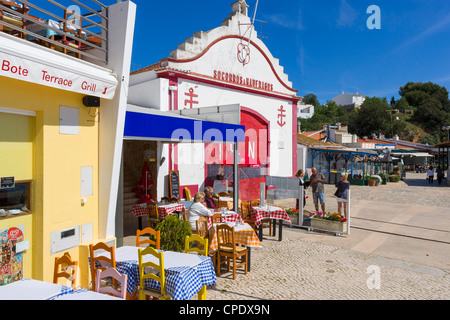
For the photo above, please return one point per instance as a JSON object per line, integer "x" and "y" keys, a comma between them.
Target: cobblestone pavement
{"x": 364, "y": 265}
{"x": 317, "y": 266}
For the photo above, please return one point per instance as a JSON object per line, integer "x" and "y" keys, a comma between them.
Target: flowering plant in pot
{"x": 328, "y": 221}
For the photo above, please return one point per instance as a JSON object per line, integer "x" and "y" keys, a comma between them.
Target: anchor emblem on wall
{"x": 191, "y": 95}
{"x": 281, "y": 115}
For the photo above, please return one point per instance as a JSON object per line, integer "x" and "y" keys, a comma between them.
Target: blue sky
{"x": 324, "y": 45}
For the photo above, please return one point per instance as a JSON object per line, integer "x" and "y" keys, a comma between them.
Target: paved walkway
{"x": 313, "y": 265}
{"x": 406, "y": 256}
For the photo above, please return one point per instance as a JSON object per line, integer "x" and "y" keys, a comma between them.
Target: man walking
{"x": 317, "y": 181}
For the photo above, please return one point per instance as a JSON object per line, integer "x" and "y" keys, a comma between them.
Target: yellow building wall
{"x": 58, "y": 159}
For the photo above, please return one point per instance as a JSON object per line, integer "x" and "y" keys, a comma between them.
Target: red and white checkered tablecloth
{"x": 271, "y": 212}
{"x": 230, "y": 216}
{"x": 166, "y": 209}
{"x": 140, "y": 210}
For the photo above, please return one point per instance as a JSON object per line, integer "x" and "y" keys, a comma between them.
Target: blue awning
{"x": 149, "y": 124}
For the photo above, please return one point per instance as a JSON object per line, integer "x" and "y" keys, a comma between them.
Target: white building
{"x": 349, "y": 100}
{"x": 212, "y": 72}
{"x": 305, "y": 111}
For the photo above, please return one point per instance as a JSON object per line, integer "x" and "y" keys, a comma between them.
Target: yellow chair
{"x": 188, "y": 194}
{"x": 143, "y": 291}
{"x": 196, "y": 238}
{"x": 187, "y": 249}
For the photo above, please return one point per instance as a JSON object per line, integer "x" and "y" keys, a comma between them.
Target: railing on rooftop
{"x": 75, "y": 27}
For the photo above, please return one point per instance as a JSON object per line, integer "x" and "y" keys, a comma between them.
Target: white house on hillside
{"x": 349, "y": 100}
{"x": 305, "y": 111}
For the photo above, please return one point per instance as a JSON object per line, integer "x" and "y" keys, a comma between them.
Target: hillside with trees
{"x": 423, "y": 108}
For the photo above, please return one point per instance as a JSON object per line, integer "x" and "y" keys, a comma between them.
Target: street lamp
{"x": 448, "y": 131}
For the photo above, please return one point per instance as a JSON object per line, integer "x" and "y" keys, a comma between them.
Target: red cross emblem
{"x": 191, "y": 95}
{"x": 281, "y": 115}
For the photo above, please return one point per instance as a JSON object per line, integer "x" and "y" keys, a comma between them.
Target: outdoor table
{"x": 227, "y": 216}
{"x": 186, "y": 274}
{"x": 84, "y": 294}
{"x": 47, "y": 28}
{"x": 30, "y": 289}
{"x": 140, "y": 210}
{"x": 165, "y": 209}
{"x": 260, "y": 213}
{"x": 244, "y": 235}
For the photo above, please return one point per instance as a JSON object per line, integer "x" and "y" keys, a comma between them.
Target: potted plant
{"x": 173, "y": 233}
{"x": 372, "y": 181}
{"x": 328, "y": 221}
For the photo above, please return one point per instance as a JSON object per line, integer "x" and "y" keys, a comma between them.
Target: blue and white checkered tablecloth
{"x": 181, "y": 282}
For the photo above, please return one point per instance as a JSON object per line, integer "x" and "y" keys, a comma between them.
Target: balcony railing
{"x": 76, "y": 28}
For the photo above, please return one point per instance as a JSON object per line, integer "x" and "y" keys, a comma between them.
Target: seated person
{"x": 209, "y": 192}
{"x": 197, "y": 209}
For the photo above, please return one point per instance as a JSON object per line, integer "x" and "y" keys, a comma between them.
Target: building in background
{"x": 228, "y": 67}
{"x": 349, "y": 100}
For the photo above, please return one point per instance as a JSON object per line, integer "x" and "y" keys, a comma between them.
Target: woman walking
{"x": 300, "y": 174}
{"x": 430, "y": 175}
{"x": 342, "y": 194}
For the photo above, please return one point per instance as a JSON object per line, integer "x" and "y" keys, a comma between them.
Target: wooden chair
{"x": 114, "y": 274}
{"x": 66, "y": 268}
{"x": 13, "y": 19}
{"x": 153, "y": 214}
{"x": 170, "y": 200}
{"x": 150, "y": 232}
{"x": 222, "y": 204}
{"x": 228, "y": 248}
{"x": 201, "y": 249}
{"x": 157, "y": 268}
{"x": 101, "y": 262}
{"x": 223, "y": 194}
{"x": 246, "y": 215}
{"x": 202, "y": 227}
{"x": 266, "y": 223}
{"x": 216, "y": 218}
{"x": 184, "y": 215}
{"x": 188, "y": 194}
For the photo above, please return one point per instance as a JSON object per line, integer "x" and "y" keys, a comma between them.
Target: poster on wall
{"x": 11, "y": 263}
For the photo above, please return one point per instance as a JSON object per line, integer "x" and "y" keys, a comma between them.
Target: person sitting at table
{"x": 198, "y": 209}
{"x": 209, "y": 192}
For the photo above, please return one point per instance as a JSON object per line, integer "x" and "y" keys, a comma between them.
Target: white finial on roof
{"x": 239, "y": 6}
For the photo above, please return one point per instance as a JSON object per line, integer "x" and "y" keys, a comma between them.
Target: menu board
{"x": 174, "y": 184}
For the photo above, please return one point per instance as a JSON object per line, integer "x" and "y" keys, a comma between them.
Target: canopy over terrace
{"x": 168, "y": 127}
{"x": 344, "y": 154}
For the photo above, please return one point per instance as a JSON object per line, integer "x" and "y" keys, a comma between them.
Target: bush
{"x": 173, "y": 233}
{"x": 394, "y": 178}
